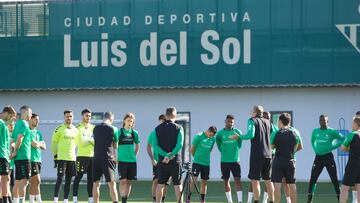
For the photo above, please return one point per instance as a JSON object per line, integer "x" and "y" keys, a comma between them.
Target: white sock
{"x": 21, "y": 199}
{"x": 266, "y": 197}
{"x": 31, "y": 198}
{"x": 239, "y": 196}
{"x": 16, "y": 200}
{"x": 91, "y": 200}
{"x": 66, "y": 200}
{"x": 288, "y": 200}
{"x": 354, "y": 196}
{"x": 250, "y": 197}
{"x": 38, "y": 198}
{"x": 228, "y": 196}
{"x": 75, "y": 199}
{"x": 56, "y": 199}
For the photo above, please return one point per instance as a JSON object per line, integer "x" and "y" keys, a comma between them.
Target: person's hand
{"x": 235, "y": 136}
{"x": 55, "y": 161}
{"x": 171, "y": 158}
{"x": 154, "y": 162}
{"x": 12, "y": 155}
{"x": 166, "y": 160}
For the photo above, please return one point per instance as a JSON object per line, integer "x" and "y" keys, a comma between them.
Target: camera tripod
{"x": 187, "y": 183}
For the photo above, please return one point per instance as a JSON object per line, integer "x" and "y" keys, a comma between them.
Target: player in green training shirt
{"x": 7, "y": 115}
{"x": 21, "y": 154}
{"x": 63, "y": 147}
{"x": 154, "y": 157}
{"x": 352, "y": 172}
{"x": 37, "y": 144}
{"x": 128, "y": 148}
{"x": 323, "y": 141}
{"x": 201, "y": 148}
{"x": 85, "y": 153}
{"x": 228, "y": 144}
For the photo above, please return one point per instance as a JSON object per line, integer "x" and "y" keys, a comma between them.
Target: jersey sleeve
{"x": 250, "y": 131}
{"x": 136, "y": 137}
{"x": 239, "y": 142}
{"x": 312, "y": 140}
{"x": 338, "y": 138}
{"x": 116, "y": 134}
{"x": 348, "y": 139}
{"x": 55, "y": 140}
{"x": 196, "y": 140}
{"x": 298, "y": 137}
{"x": 156, "y": 145}
{"x": 150, "y": 138}
{"x": 272, "y": 137}
{"x": 22, "y": 129}
{"x": 179, "y": 143}
{"x": 40, "y": 135}
{"x": 218, "y": 140}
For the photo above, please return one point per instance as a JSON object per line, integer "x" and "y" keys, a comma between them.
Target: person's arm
{"x": 41, "y": 143}
{"x": 218, "y": 141}
{"x": 346, "y": 144}
{"x": 179, "y": 143}
{"x": 157, "y": 147}
{"x": 17, "y": 145}
{"x": 312, "y": 140}
{"x": 250, "y": 131}
{"x": 272, "y": 139}
{"x": 137, "y": 142}
{"x": 55, "y": 140}
{"x": 194, "y": 143}
{"x": 298, "y": 141}
{"x": 339, "y": 137}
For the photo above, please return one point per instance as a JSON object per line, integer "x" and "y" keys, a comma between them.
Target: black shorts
{"x": 35, "y": 168}
{"x": 155, "y": 173}
{"x": 165, "y": 171}
{"x": 104, "y": 167}
{"x": 66, "y": 168}
{"x": 352, "y": 173}
{"x": 203, "y": 170}
{"x": 260, "y": 168}
{"x": 283, "y": 168}
{"x": 4, "y": 167}
{"x": 127, "y": 170}
{"x": 83, "y": 164}
{"x": 12, "y": 178}
{"x": 234, "y": 167}
{"x": 22, "y": 169}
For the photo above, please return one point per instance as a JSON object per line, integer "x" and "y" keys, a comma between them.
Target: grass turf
{"x": 141, "y": 192}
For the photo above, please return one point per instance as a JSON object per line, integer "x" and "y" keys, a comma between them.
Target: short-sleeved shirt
{"x": 22, "y": 127}
{"x": 285, "y": 141}
{"x": 64, "y": 142}
{"x": 85, "y": 140}
{"x": 352, "y": 140}
{"x": 4, "y": 141}
{"x": 151, "y": 142}
{"x": 35, "y": 151}
{"x": 324, "y": 141}
{"x": 229, "y": 148}
{"x": 203, "y": 145}
{"x": 126, "y": 140}
{"x": 104, "y": 138}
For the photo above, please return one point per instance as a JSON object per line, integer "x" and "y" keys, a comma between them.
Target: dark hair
{"x": 170, "y": 111}
{"x": 67, "y": 111}
{"x": 85, "y": 111}
{"x": 108, "y": 115}
{"x": 212, "y": 129}
{"x": 285, "y": 118}
{"x": 9, "y": 109}
{"x": 229, "y": 116}
{"x": 25, "y": 108}
{"x": 162, "y": 117}
{"x": 358, "y": 113}
{"x": 34, "y": 115}
{"x": 323, "y": 116}
{"x": 266, "y": 115}
{"x": 357, "y": 121}
{"x": 258, "y": 110}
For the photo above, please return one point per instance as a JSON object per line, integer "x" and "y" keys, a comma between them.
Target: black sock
{"x": 154, "y": 199}
{"x": 9, "y": 199}
{"x": 5, "y": 200}
{"x": 115, "y": 202}
{"x": 310, "y": 197}
{"x": 256, "y": 201}
{"x": 202, "y": 197}
{"x": 271, "y": 201}
{"x": 1, "y": 200}
{"x": 123, "y": 199}
{"x": 162, "y": 199}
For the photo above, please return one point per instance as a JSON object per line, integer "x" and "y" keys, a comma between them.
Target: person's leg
{"x": 236, "y": 171}
{"x": 5, "y": 184}
{"x": 59, "y": 179}
{"x": 344, "y": 193}
{"x": 255, "y": 185}
{"x": 122, "y": 189}
{"x": 76, "y": 183}
{"x": 32, "y": 189}
{"x": 293, "y": 194}
{"x": 68, "y": 178}
{"x": 22, "y": 189}
{"x": 286, "y": 190}
{"x": 331, "y": 169}
{"x": 203, "y": 190}
{"x": 277, "y": 192}
{"x": 250, "y": 193}
{"x": 178, "y": 189}
{"x": 113, "y": 191}
{"x": 128, "y": 188}
{"x": 153, "y": 189}
{"x": 96, "y": 191}
{"x": 90, "y": 182}
{"x": 357, "y": 187}
{"x": 159, "y": 192}
{"x": 270, "y": 190}
{"x": 315, "y": 173}
{"x": 37, "y": 188}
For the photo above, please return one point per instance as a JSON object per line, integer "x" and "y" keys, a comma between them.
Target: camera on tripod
{"x": 187, "y": 166}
